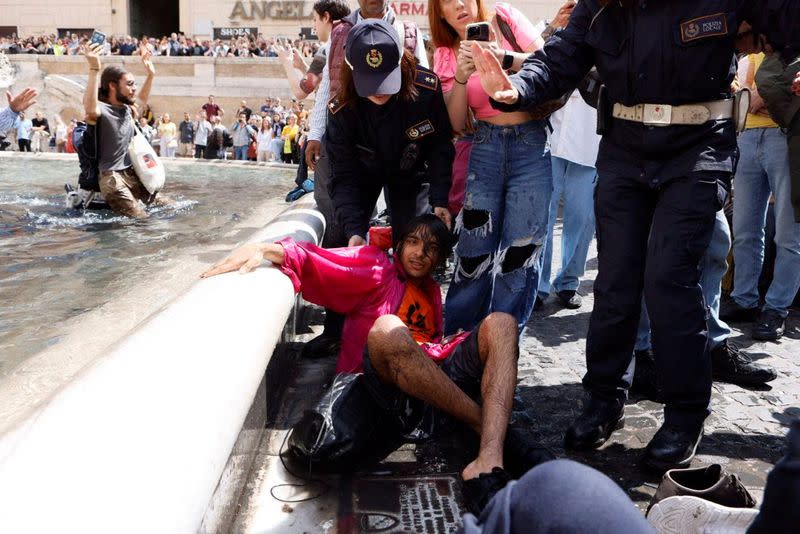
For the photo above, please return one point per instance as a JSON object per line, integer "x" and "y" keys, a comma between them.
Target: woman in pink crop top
{"x": 503, "y": 224}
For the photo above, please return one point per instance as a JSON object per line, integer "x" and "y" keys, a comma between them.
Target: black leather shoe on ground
{"x": 538, "y": 303}
{"x": 769, "y": 326}
{"x": 644, "y": 375}
{"x": 477, "y": 492}
{"x": 570, "y": 299}
{"x": 729, "y": 364}
{"x": 593, "y": 427}
{"x": 672, "y": 448}
{"x": 730, "y": 311}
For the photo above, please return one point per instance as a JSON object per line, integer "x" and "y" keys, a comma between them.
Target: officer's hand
{"x": 444, "y": 215}
{"x": 494, "y": 79}
{"x": 796, "y": 85}
{"x": 313, "y": 149}
{"x": 562, "y": 17}
{"x": 356, "y": 241}
{"x": 92, "y": 53}
{"x": 22, "y": 101}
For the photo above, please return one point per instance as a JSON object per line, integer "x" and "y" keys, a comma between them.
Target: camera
{"x": 478, "y": 31}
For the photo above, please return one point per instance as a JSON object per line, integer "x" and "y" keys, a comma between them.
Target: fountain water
{"x": 7, "y": 73}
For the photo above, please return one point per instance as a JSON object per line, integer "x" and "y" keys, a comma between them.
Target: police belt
{"x": 667, "y": 115}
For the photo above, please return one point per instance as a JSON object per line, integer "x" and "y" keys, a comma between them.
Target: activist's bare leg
{"x": 398, "y": 360}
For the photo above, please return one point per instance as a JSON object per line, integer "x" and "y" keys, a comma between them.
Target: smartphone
{"x": 478, "y": 31}
{"x": 98, "y": 38}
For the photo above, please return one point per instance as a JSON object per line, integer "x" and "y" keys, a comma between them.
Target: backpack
{"x": 84, "y": 139}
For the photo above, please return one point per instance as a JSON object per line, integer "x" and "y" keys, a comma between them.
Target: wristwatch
{"x": 508, "y": 61}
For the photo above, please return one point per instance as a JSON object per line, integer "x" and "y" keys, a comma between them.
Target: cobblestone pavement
{"x": 745, "y": 432}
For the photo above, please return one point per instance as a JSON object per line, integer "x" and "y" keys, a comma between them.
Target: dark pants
{"x": 678, "y": 217}
{"x": 559, "y": 496}
{"x": 302, "y": 168}
{"x": 24, "y": 145}
{"x": 199, "y": 151}
{"x": 793, "y": 138}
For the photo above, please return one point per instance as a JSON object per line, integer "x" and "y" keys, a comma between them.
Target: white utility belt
{"x": 666, "y": 115}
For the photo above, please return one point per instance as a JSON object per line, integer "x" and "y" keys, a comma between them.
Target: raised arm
{"x": 91, "y": 106}
{"x": 287, "y": 57}
{"x": 144, "y": 92}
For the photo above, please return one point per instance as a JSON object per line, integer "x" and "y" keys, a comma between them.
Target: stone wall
{"x": 181, "y": 84}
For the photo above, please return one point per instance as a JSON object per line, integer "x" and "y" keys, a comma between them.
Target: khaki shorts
{"x": 123, "y": 190}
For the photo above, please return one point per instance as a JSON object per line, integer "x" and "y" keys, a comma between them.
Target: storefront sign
{"x": 232, "y": 33}
{"x": 298, "y": 9}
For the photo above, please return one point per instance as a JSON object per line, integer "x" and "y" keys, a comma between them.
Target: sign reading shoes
{"x": 702, "y": 27}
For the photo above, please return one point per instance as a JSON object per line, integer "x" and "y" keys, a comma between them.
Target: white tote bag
{"x": 145, "y": 162}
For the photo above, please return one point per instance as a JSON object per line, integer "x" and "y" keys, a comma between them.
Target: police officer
{"x": 388, "y": 126}
{"x": 666, "y": 159}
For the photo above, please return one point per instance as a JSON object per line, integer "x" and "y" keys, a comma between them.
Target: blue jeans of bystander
{"x": 502, "y": 227}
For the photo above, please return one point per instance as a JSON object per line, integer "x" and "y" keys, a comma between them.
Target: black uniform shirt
{"x": 657, "y": 52}
{"x": 397, "y": 142}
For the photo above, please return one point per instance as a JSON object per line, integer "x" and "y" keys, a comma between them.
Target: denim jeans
{"x": 502, "y": 227}
{"x": 715, "y": 265}
{"x": 576, "y": 183}
{"x": 559, "y": 496}
{"x": 764, "y": 168}
{"x": 240, "y": 153}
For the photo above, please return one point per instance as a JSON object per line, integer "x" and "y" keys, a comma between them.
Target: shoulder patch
{"x": 334, "y": 106}
{"x": 426, "y": 78}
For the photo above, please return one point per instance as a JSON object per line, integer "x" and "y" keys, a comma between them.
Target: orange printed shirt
{"x": 416, "y": 311}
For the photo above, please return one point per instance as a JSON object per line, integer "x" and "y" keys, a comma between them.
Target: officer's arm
{"x": 441, "y": 154}
{"x": 345, "y": 168}
{"x": 558, "y": 67}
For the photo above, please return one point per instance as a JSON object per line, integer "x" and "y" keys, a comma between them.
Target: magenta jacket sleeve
{"x": 342, "y": 279}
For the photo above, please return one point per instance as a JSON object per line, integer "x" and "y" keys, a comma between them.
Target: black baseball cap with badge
{"x": 373, "y": 52}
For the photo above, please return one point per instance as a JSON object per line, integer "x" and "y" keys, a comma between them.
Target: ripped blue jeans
{"x": 502, "y": 227}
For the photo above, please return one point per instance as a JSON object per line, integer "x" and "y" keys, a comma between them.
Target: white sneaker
{"x": 693, "y": 515}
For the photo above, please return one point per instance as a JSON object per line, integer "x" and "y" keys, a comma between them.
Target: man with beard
{"x": 110, "y": 107}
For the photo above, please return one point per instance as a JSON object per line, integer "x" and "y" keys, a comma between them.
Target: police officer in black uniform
{"x": 387, "y": 127}
{"x": 666, "y": 160}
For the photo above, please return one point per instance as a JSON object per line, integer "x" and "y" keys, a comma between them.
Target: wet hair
{"x": 408, "y": 91}
{"x": 111, "y": 74}
{"x": 442, "y": 34}
{"x": 337, "y": 9}
{"x": 429, "y": 227}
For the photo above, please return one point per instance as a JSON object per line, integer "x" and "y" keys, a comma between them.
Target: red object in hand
{"x": 380, "y": 236}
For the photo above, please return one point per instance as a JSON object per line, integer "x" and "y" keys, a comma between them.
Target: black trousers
{"x": 199, "y": 151}
{"x": 24, "y": 145}
{"x": 653, "y": 239}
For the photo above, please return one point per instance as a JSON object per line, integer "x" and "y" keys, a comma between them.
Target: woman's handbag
{"x": 145, "y": 163}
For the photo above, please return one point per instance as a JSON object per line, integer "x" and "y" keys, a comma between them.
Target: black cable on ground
{"x": 306, "y": 480}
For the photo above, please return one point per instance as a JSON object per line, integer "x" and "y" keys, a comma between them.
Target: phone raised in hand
{"x": 98, "y": 38}
{"x": 478, "y": 31}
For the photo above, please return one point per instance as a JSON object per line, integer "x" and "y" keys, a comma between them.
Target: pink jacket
{"x": 362, "y": 283}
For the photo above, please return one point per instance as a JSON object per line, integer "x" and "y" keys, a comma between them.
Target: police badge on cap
{"x": 373, "y": 52}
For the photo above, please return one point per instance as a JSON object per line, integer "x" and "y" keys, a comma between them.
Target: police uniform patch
{"x": 702, "y": 27}
{"x": 426, "y": 78}
{"x": 374, "y": 58}
{"x": 420, "y": 130}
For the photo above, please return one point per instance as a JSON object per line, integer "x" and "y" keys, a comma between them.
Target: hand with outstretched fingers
{"x": 147, "y": 56}
{"x": 22, "y": 101}
{"x": 243, "y": 259}
{"x": 494, "y": 79}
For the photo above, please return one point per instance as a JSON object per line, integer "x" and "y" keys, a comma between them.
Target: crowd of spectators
{"x": 176, "y": 44}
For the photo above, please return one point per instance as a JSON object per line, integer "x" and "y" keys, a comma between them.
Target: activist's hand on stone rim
{"x": 244, "y": 259}
{"x": 494, "y": 80}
